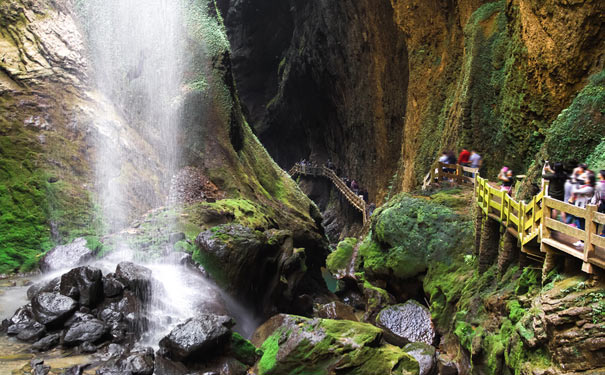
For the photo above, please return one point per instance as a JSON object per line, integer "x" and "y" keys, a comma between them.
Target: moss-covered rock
{"x": 339, "y": 259}
{"x": 323, "y": 346}
{"x": 407, "y": 234}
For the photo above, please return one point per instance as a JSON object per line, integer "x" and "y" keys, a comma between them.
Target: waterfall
{"x": 137, "y": 50}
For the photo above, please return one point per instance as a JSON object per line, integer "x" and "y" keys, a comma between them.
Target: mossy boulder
{"x": 409, "y": 233}
{"x": 339, "y": 259}
{"x": 298, "y": 345}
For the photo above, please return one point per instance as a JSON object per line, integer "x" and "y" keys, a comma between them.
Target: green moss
{"x": 241, "y": 211}
{"x": 579, "y": 129}
{"x": 243, "y": 350}
{"x": 340, "y": 258}
{"x": 408, "y": 233}
{"x": 270, "y": 347}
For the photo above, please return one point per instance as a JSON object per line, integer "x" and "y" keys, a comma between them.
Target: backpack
{"x": 599, "y": 200}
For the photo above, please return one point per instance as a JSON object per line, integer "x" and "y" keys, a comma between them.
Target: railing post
{"x": 521, "y": 229}
{"x": 591, "y": 230}
{"x": 546, "y": 213}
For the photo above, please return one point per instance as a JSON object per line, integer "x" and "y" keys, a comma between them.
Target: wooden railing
{"x": 532, "y": 221}
{"x": 449, "y": 172}
{"x": 354, "y": 199}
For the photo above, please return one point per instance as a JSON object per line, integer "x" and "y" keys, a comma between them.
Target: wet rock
{"x": 21, "y": 319}
{"x": 50, "y": 286}
{"x": 336, "y": 310}
{"x": 197, "y": 336}
{"x": 405, "y": 323}
{"x": 38, "y": 367}
{"x": 112, "y": 287}
{"x": 32, "y": 333}
{"x": 165, "y": 366}
{"x": 424, "y": 355}
{"x": 76, "y": 370}
{"x": 66, "y": 256}
{"x": 47, "y": 343}
{"x": 136, "y": 278}
{"x": 88, "y": 347}
{"x": 139, "y": 362}
{"x": 52, "y": 308}
{"x": 84, "y": 284}
{"x": 85, "y": 331}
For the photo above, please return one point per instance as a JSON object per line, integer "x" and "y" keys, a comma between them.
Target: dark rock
{"x": 124, "y": 318}
{"x": 88, "y": 347}
{"x": 50, "y": 286}
{"x": 84, "y": 284}
{"x": 47, "y": 343}
{"x": 38, "y": 367}
{"x": 197, "y": 336}
{"x": 52, "y": 308}
{"x": 112, "y": 287}
{"x": 32, "y": 333}
{"x": 136, "y": 278}
{"x": 21, "y": 319}
{"x": 85, "y": 331}
{"x": 111, "y": 371}
{"x": 66, "y": 256}
{"x": 424, "y": 355}
{"x": 336, "y": 310}
{"x": 176, "y": 237}
{"x": 166, "y": 366}
{"x": 405, "y": 323}
{"x": 139, "y": 362}
{"x": 76, "y": 370}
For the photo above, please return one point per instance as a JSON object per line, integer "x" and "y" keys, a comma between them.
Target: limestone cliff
{"x": 382, "y": 87}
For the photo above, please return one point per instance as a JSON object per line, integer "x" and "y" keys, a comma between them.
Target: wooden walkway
{"x": 354, "y": 199}
{"x": 532, "y": 222}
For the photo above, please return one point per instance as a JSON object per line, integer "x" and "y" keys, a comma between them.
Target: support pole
{"x": 490, "y": 238}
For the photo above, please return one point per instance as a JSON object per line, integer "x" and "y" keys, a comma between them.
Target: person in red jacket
{"x": 464, "y": 157}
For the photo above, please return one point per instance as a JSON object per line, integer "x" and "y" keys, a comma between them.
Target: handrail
{"x": 442, "y": 171}
{"x": 532, "y": 220}
{"x": 354, "y": 199}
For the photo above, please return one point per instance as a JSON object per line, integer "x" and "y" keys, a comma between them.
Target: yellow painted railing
{"x": 532, "y": 220}
{"x": 451, "y": 172}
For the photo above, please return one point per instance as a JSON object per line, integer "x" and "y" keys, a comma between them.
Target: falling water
{"x": 137, "y": 49}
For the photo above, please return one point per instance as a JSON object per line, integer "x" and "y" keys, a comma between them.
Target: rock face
{"x": 66, "y": 256}
{"x": 197, "y": 336}
{"x": 294, "y": 345}
{"x": 338, "y": 72}
{"x": 257, "y": 266}
{"x": 406, "y": 323}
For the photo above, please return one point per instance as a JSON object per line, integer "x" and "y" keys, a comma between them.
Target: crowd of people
{"x": 466, "y": 158}
{"x": 350, "y": 183}
{"x": 580, "y": 188}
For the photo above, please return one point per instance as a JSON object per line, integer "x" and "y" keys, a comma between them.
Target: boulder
{"x": 136, "y": 278}
{"x": 76, "y": 370}
{"x": 90, "y": 330}
{"x": 66, "y": 256}
{"x": 407, "y": 322}
{"x": 123, "y": 317}
{"x": 197, "y": 336}
{"x": 445, "y": 366}
{"x": 139, "y": 362}
{"x": 424, "y": 355}
{"x": 324, "y": 346}
{"x": 52, "y": 308}
{"x": 48, "y": 286}
{"x": 112, "y": 287}
{"x": 38, "y": 367}
{"x": 336, "y": 310}
{"x": 23, "y": 325}
{"x": 84, "y": 284}
{"x": 176, "y": 237}
{"x": 46, "y": 343}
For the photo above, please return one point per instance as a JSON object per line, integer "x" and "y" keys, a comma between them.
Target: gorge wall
{"x": 383, "y": 87}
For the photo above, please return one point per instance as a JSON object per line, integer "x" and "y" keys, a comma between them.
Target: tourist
{"x": 463, "y": 158}
{"x": 475, "y": 162}
{"x": 365, "y": 195}
{"x": 330, "y": 165}
{"x": 599, "y": 197}
{"x": 580, "y": 197}
{"x": 506, "y": 176}
{"x": 451, "y": 159}
{"x": 354, "y": 186}
{"x": 371, "y": 208}
{"x": 556, "y": 187}
{"x": 444, "y": 159}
